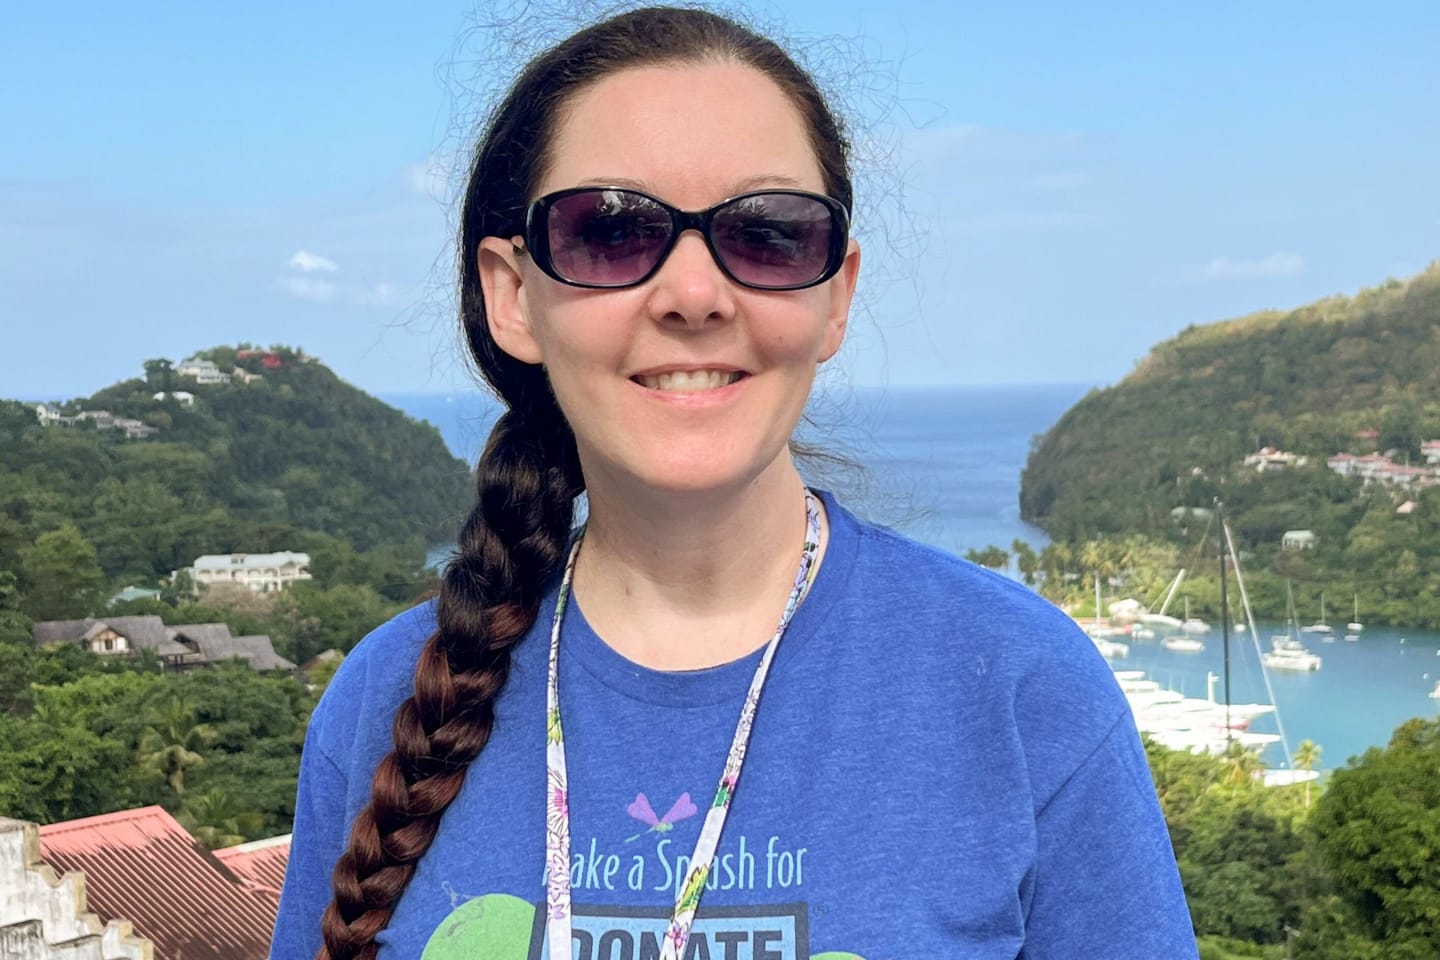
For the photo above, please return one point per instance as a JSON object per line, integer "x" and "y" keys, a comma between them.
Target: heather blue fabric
{"x": 941, "y": 766}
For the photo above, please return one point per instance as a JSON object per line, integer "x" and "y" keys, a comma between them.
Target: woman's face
{"x": 687, "y": 382}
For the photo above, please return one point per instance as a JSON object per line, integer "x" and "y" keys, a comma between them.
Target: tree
{"x": 990, "y": 556}
{"x": 173, "y": 742}
{"x": 1026, "y": 560}
{"x": 1378, "y": 828}
{"x": 64, "y": 576}
{"x": 158, "y": 373}
{"x": 217, "y": 821}
{"x": 1307, "y": 755}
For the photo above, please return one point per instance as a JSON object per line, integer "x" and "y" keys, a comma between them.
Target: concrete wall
{"x": 43, "y": 916}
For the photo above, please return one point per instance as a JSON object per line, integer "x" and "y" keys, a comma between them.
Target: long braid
{"x": 511, "y": 545}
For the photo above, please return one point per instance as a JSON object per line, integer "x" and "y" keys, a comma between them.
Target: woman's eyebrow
{"x": 740, "y": 186}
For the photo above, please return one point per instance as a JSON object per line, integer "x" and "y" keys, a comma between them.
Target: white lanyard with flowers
{"x": 557, "y": 809}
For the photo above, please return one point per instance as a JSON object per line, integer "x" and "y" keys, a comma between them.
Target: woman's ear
{"x": 503, "y": 283}
{"x": 842, "y": 292}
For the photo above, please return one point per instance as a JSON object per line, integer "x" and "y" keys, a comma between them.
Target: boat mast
{"x": 1224, "y": 618}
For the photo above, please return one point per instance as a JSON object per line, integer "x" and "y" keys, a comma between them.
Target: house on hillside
{"x": 212, "y": 643}
{"x": 105, "y": 420}
{"x": 1298, "y": 540}
{"x": 181, "y": 647}
{"x": 50, "y": 417}
{"x": 133, "y": 593}
{"x": 113, "y": 636}
{"x": 261, "y": 572}
{"x": 183, "y": 397}
{"x": 203, "y": 371}
{"x": 1430, "y": 450}
{"x": 1268, "y": 458}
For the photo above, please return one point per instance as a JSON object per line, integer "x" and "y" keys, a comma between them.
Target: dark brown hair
{"x": 513, "y": 543}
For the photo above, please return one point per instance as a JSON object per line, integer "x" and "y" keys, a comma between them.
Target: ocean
{"x": 943, "y": 465}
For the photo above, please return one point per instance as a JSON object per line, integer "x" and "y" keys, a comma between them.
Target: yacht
{"x": 1287, "y": 653}
{"x": 1183, "y": 644}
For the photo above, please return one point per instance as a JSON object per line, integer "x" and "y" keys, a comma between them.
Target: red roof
{"x": 261, "y": 865}
{"x": 142, "y": 866}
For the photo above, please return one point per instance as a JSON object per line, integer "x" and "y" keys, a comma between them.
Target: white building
{"x": 182, "y": 397}
{"x": 1268, "y": 458}
{"x": 1298, "y": 540}
{"x": 204, "y": 371}
{"x": 261, "y": 572}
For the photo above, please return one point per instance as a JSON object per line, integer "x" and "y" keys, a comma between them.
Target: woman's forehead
{"x": 709, "y": 129}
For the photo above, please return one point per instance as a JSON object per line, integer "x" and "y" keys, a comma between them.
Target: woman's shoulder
{"x": 375, "y": 677}
{"x": 891, "y": 570}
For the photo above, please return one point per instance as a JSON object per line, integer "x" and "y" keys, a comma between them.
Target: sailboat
{"x": 1286, "y": 651}
{"x": 1320, "y": 626}
{"x": 1098, "y": 632}
{"x": 1270, "y": 777}
{"x": 1354, "y": 626}
{"x": 1193, "y": 624}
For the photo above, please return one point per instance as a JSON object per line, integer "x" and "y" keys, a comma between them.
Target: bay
{"x": 943, "y": 465}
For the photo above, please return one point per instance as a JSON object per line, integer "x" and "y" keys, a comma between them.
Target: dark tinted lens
{"x": 774, "y": 239}
{"x": 606, "y": 237}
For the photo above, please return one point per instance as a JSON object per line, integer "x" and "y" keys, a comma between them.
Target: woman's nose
{"x": 690, "y": 286}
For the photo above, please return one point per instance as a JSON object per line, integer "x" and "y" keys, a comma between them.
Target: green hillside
{"x": 1354, "y": 375}
{"x": 295, "y": 459}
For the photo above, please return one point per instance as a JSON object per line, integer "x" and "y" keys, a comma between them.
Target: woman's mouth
{"x": 688, "y": 381}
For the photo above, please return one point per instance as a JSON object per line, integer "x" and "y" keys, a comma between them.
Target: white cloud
{"x": 307, "y": 262}
{"x": 1275, "y": 265}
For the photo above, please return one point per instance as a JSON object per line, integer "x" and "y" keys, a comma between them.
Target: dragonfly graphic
{"x": 641, "y": 810}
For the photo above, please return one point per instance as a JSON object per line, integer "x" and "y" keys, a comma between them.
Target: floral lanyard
{"x": 557, "y": 808}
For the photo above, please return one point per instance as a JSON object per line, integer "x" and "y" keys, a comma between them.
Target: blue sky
{"x": 1049, "y": 190}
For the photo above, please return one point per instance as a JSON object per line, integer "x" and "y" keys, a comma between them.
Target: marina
{"x": 1363, "y": 692}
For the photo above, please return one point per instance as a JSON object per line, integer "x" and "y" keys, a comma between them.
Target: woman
{"x": 655, "y": 258}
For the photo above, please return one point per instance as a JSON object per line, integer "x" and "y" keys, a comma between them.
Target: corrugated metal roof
{"x": 261, "y": 864}
{"x": 142, "y": 866}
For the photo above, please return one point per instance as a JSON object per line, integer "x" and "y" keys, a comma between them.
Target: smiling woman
{"x": 655, "y": 260}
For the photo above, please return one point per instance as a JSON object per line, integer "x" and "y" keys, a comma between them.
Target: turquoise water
{"x": 1358, "y": 696}
{"x": 944, "y": 465}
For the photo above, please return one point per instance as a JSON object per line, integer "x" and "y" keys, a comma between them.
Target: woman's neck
{"x": 685, "y": 582}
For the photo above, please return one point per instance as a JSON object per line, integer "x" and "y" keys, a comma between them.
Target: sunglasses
{"x": 605, "y": 237}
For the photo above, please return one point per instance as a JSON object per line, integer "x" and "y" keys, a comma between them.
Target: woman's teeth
{"x": 689, "y": 381}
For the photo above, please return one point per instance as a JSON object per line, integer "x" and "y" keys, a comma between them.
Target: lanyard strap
{"x": 557, "y": 807}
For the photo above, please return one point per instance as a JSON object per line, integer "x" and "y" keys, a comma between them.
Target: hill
{"x": 293, "y": 459}
{"x": 1175, "y": 431}
{"x": 1270, "y": 414}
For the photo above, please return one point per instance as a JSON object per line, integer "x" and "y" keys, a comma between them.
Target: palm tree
{"x": 217, "y": 821}
{"x": 1241, "y": 764}
{"x": 1307, "y": 755}
{"x": 171, "y": 744}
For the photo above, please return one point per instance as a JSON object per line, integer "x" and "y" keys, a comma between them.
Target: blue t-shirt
{"x": 941, "y": 766}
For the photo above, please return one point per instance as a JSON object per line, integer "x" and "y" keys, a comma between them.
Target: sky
{"x": 1046, "y": 189}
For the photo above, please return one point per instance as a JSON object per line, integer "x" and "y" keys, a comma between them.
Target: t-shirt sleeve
{"x": 318, "y": 838}
{"x": 1106, "y": 883}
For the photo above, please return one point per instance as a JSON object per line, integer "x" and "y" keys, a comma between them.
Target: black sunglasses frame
{"x": 537, "y": 237}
